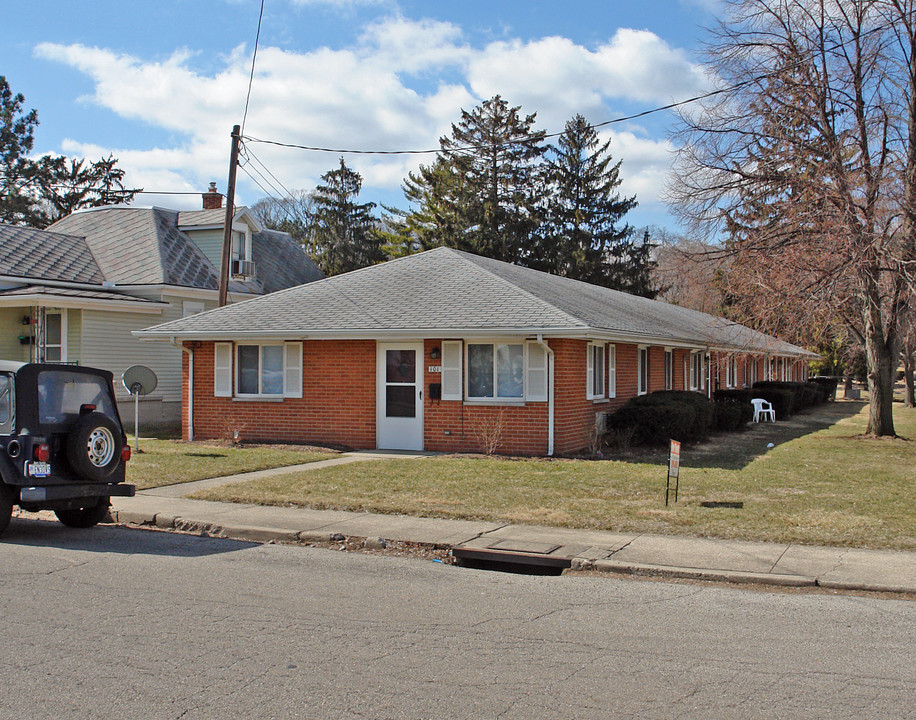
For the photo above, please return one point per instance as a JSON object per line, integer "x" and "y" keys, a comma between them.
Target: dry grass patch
{"x": 821, "y": 484}
{"x": 166, "y": 462}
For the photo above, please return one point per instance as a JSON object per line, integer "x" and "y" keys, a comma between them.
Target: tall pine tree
{"x": 581, "y": 237}
{"x": 343, "y": 235}
{"x": 480, "y": 194}
{"x": 38, "y": 192}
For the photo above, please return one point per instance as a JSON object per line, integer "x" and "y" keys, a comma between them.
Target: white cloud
{"x": 381, "y": 93}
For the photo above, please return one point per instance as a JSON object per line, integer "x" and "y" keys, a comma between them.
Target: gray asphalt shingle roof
{"x": 449, "y": 293}
{"x": 31, "y": 253}
{"x": 75, "y": 294}
{"x": 141, "y": 246}
{"x": 144, "y": 246}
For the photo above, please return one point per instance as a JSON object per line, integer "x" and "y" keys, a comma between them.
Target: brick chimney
{"x": 213, "y": 200}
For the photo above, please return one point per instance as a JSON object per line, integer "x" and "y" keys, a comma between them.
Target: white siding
{"x": 210, "y": 242}
{"x": 107, "y": 343}
{"x": 11, "y": 328}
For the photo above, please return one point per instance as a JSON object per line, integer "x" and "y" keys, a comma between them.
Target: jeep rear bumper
{"x": 53, "y": 493}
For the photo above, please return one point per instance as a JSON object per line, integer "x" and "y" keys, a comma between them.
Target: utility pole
{"x": 230, "y": 211}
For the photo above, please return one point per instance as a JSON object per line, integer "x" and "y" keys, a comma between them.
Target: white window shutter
{"x": 612, "y": 371}
{"x": 589, "y": 372}
{"x": 292, "y": 369}
{"x": 536, "y": 371}
{"x": 451, "y": 370}
{"x": 222, "y": 370}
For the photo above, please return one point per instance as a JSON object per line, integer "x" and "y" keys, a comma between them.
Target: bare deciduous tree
{"x": 806, "y": 162}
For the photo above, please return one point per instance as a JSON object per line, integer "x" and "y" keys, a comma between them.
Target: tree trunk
{"x": 909, "y": 399}
{"x": 881, "y": 359}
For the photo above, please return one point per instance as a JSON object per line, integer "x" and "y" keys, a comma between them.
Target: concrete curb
{"x": 737, "y": 577}
{"x": 253, "y": 533}
{"x": 373, "y": 537}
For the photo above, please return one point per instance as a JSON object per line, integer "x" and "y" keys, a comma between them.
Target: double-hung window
{"x": 496, "y": 371}
{"x": 259, "y": 370}
{"x": 595, "y": 372}
{"x": 669, "y": 369}
{"x": 265, "y": 370}
{"x": 696, "y": 371}
{"x": 643, "y": 371}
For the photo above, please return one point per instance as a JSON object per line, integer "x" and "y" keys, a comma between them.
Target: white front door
{"x": 399, "y": 414}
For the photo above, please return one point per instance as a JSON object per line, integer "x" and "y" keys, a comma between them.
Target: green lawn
{"x": 822, "y": 483}
{"x": 165, "y": 462}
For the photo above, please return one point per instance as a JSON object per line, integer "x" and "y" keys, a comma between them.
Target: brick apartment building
{"x": 444, "y": 350}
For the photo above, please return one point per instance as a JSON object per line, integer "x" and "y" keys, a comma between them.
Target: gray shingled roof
{"x": 143, "y": 246}
{"x": 202, "y": 218}
{"x": 450, "y": 293}
{"x": 39, "y": 254}
{"x": 75, "y": 294}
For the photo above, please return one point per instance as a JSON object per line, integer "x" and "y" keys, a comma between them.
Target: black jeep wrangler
{"x": 62, "y": 447}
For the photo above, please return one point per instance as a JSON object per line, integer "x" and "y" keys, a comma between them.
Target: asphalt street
{"x": 122, "y": 623}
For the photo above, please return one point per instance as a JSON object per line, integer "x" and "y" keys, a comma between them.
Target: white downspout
{"x": 190, "y": 353}
{"x": 550, "y": 422}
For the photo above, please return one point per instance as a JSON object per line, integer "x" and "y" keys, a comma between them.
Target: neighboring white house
{"x": 75, "y": 292}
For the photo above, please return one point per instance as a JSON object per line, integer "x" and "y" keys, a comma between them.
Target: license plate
{"x": 38, "y": 469}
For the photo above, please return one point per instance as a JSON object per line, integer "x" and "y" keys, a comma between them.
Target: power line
{"x": 254, "y": 57}
{"x": 249, "y": 154}
{"x": 471, "y": 148}
{"x": 627, "y": 118}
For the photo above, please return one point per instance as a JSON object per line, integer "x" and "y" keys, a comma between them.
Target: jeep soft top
{"x": 62, "y": 446}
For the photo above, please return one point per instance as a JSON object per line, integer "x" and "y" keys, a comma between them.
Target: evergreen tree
{"x": 343, "y": 236}
{"x": 580, "y": 237}
{"x": 480, "y": 194}
{"x": 17, "y": 172}
{"x": 40, "y": 192}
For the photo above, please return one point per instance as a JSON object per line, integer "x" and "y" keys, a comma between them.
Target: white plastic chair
{"x": 763, "y": 409}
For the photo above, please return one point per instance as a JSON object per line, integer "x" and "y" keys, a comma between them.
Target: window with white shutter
{"x": 293, "y": 370}
{"x": 536, "y": 373}
{"x": 451, "y": 370}
{"x": 222, "y": 370}
{"x": 612, "y": 371}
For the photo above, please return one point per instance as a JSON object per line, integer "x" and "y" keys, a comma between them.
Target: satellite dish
{"x": 139, "y": 380}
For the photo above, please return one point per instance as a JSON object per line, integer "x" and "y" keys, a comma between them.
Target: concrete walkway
{"x": 632, "y": 553}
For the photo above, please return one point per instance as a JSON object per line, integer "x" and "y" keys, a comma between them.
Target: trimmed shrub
{"x": 729, "y": 414}
{"x": 826, "y": 385}
{"x": 654, "y": 424}
{"x": 661, "y": 416}
{"x": 742, "y": 398}
{"x": 806, "y": 394}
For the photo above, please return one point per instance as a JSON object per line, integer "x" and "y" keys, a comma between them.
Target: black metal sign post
{"x": 674, "y": 467}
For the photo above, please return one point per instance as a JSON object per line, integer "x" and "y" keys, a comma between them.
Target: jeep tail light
{"x": 41, "y": 453}
{"x": 86, "y": 408}
{"x": 125, "y": 453}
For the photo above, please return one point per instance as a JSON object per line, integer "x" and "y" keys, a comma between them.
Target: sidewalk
{"x": 633, "y": 553}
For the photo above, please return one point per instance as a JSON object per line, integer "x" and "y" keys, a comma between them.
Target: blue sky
{"x": 161, "y": 84}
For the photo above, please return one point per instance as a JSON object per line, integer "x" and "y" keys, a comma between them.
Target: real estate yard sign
{"x": 674, "y": 466}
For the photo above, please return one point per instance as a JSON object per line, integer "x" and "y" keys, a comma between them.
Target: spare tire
{"x": 94, "y": 446}
{"x": 85, "y": 517}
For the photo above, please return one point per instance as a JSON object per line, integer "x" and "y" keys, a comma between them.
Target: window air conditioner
{"x": 242, "y": 269}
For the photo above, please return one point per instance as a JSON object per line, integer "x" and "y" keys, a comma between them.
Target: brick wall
{"x": 454, "y": 426}
{"x": 339, "y": 401}
{"x": 337, "y": 404}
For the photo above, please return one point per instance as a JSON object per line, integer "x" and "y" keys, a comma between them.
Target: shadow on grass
{"x": 734, "y": 451}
